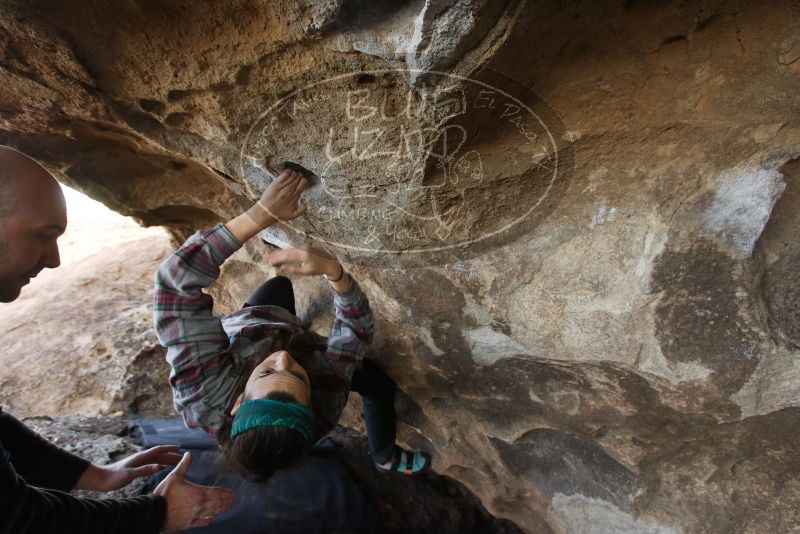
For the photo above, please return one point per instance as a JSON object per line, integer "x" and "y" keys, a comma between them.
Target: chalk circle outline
{"x": 422, "y": 72}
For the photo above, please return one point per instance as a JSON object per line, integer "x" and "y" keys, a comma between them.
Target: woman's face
{"x": 279, "y": 372}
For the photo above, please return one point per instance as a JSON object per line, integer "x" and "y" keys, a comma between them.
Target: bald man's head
{"x": 8, "y": 186}
{"x": 18, "y": 172}
{"x": 6, "y": 197}
{"x": 32, "y": 217}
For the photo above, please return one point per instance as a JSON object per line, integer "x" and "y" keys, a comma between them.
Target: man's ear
{"x": 237, "y": 403}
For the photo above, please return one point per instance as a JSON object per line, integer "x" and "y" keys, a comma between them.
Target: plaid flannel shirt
{"x": 209, "y": 354}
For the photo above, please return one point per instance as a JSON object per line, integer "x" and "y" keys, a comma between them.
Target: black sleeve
{"x": 25, "y": 509}
{"x": 35, "y": 459}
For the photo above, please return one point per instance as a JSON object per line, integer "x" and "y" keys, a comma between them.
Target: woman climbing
{"x": 258, "y": 380}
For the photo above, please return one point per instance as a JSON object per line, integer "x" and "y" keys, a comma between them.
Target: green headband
{"x": 266, "y": 412}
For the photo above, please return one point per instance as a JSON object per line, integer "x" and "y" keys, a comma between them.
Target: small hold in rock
{"x": 152, "y": 106}
{"x": 312, "y": 178}
{"x": 179, "y": 94}
{"x": 243, "y": 76}
{"x": 674, "y": 39}
{"x": 178, "y": 120}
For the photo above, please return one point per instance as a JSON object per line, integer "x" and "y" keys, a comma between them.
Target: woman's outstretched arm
{"x": 197, "y": 345}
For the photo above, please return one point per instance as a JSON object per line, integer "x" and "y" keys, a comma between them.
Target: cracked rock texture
{"x": 580, "y": 237}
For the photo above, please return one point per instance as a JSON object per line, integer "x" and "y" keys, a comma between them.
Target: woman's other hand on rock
{"x": 310, "y": 261}
{"x": 307, "y": 261}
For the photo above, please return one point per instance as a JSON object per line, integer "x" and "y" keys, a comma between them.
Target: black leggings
{"x": 274, "y": 292}
{"x": 376, "y": 388}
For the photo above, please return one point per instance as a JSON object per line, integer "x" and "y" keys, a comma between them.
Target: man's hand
{"x": 281, "y": 201}
{"x": 190, "y": 505}
{"x": 120, "y": 474}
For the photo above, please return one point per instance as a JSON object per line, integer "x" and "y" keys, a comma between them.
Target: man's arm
{"x": 176, "y": 505}
{"x": 38, "y": 461}
{"x": 43, "y": 464}
{"x": 25, "y": 509}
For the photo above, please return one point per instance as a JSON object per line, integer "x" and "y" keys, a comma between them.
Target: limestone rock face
{"x": 580, "y": 237}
